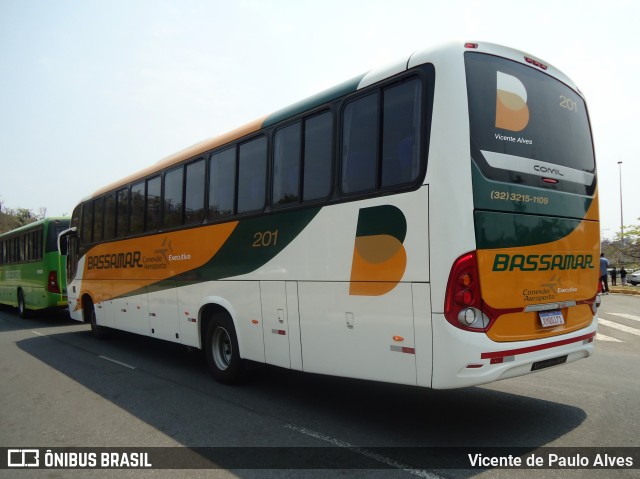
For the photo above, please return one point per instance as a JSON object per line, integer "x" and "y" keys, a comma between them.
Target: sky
{"x": 94, "y": 90}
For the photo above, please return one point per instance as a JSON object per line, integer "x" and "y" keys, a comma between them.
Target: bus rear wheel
{"x": 222, "y": 350}
{"x": 22, "y": 307}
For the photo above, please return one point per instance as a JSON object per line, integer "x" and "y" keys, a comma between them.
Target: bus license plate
{"x": 551, "y": 318}
{"x": 548, "y": 363}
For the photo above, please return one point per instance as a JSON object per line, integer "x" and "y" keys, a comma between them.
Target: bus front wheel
{"x": 222, "y": 350}
{"x": 99, "y": 332}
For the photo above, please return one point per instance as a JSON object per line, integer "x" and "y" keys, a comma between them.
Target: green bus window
{"x": 222, "y": 181}
{"x": 286, "y": 165}
{"x": 37, "y": 244}
{"x": 194, "y": 192}
{"x": 29, "y": 246}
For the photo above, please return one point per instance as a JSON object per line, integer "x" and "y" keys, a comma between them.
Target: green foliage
{"x": 624, "y": 250}
{"x": 11, "y": 219}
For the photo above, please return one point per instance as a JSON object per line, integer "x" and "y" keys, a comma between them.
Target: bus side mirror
{"x": 63, "y": 240}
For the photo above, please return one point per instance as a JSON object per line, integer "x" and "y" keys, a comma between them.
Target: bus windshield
{"x": 526, "y": 124}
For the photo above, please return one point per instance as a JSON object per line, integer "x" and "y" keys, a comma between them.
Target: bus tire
{"x": 22, "y": 306}
{"x": 222, "y": 350}
{"x": 99, "y": 332}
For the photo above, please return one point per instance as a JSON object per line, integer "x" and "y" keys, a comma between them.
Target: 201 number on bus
{"x": 264, "y": 239}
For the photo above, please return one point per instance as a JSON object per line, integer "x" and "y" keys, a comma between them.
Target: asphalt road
{"x": 61, "y": 387}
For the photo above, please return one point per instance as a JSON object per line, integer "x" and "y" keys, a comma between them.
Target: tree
{"x": 624, "y": 250}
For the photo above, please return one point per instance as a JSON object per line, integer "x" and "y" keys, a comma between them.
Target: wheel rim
{"x": 222, "y": 349}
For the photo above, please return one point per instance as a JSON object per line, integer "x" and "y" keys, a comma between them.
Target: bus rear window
{"x": 525, "y": 125}
{"x": 55, "y": 228}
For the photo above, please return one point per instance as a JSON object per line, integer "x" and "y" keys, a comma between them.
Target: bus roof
{"x": 33, "y": 225}
{"x": 352, "y": 85}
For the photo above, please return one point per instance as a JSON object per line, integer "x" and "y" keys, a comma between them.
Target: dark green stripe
{"x": 253, "y": 243}
{"x": 506, "y": 230}
{"x": 539, "y": 201}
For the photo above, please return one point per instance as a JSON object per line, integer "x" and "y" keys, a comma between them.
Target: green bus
{"x": 32, "y": 271}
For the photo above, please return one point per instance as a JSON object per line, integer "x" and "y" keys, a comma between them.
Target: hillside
{"x": 11, "y": 220}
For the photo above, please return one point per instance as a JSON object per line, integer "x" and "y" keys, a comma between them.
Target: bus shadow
{"x": 313, "y": 410}
{"x": 47, "y": 318}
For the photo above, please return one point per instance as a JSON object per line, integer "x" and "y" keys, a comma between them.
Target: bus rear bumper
{"x": 475, "y": 359}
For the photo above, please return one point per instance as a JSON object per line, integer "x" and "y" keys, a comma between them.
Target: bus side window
{"x": 98, "y": 219}
{"x": 400, "y": 137}
{"x": 194, "y": 192}
{"x": 136, "y": 225}
{"x": 153, "y": 203}
{"x": 122, "y": 221}
{"x": 172, "y": 198}
{"x": 318, "y": 145}
{"x": 360, "y": 144}
{"x": 252, "y": 175}
{"x": 286, "y": 165}
{"x": 110, "y": 216}
{"x": 38, "y": 244}
{"x": 222, "y": 184}
{"x": 86, "y": 234}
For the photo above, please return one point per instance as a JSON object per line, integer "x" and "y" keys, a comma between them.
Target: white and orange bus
{"x": 433, "y": 223}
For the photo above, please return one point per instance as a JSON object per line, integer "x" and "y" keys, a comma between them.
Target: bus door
{"x": 281, "y": 323}
{"x": 163, "y": 313}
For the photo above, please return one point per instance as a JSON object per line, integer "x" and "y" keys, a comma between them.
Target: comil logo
{"x": 379, "y": 257}
{"x": 512, "y": 112}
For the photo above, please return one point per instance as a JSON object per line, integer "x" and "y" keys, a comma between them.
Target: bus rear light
{"x": 463, "y": 300}
{"x": 52, "y": 283}
{"x": 471, "y": 45}
{"x": 596, "y": 304}
{"x": 465, "y": 280}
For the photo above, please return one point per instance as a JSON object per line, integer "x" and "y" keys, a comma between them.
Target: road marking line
{"x": 620, "y": 327}
{"x": 626, "y": 316}
{"x": 363, "y": 452}
{"x": 36, "y": 332}
{"x": 602, "y": 337}
{"x": 118, "y": 362}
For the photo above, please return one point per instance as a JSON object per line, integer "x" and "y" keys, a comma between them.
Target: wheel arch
{"x": 211, "y": 306}
{"x": 85, "y": 300}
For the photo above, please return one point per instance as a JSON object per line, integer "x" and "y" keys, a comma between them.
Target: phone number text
{"x": 518, "y": 197}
